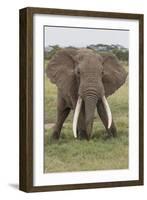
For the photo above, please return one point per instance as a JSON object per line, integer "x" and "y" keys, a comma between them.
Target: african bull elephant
{"x": 84, "y": 80}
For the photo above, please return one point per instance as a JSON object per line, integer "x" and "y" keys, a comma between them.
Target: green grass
{"x": 69, "y": 154}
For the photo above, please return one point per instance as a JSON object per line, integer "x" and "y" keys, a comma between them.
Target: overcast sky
{"x": 82, "y": 37}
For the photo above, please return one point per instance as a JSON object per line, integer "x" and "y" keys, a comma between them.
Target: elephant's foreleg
{"x": 103, "y": 115}
{"x": 62, "y": 113}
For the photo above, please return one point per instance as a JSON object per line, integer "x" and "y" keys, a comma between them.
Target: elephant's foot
{"x": 111, "y": 133}
{"x": 55, "y": 136}
{"x": 113, "y": 130}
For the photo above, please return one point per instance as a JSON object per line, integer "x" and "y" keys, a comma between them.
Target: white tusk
{"x": 108, "y": 111}
{"x": 76, "y": 116}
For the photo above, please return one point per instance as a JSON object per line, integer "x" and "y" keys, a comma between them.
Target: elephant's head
{"x": 91, "y": 75}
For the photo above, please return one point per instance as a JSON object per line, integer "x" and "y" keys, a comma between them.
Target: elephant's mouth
{"x": 77, "y": 111}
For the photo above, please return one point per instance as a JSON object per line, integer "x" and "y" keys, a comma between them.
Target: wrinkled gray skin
{"x": 88, "y": 74}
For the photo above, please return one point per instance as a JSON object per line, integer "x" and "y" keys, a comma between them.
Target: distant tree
{"x": 49, "y": 54}
{"x": 121, "y": 54}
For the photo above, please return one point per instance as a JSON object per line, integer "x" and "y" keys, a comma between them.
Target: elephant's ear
{"x": 114, "y": 75}
{"x": 60, "y": 69}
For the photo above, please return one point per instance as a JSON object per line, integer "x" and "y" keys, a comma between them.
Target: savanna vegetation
{"x": 69, "y": 154}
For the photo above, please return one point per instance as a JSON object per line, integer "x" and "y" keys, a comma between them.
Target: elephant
{"x": 84, "y": 79}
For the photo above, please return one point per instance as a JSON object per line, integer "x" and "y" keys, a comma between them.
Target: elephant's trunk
{"x": 90, "y": 105}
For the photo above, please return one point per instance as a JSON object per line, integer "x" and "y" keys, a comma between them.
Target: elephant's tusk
{"x": 76, "y": 116}
{"x": 108, "y": 111}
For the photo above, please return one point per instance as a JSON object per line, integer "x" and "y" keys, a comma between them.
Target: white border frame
{"x": 41, "y": 179}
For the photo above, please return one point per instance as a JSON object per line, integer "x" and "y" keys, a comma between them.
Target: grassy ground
{"x": 77, "y": 155}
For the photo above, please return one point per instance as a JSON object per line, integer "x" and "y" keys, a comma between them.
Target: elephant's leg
{"x": 102, "y": 113}
{"x": 81, "y": 124}
{"x": 62, "y": 113}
